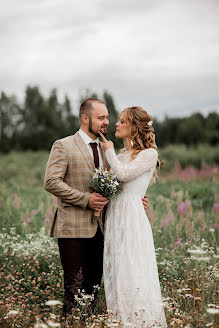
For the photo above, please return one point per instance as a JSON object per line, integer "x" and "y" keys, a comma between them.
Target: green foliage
{"x": 40, "y": 120}
{"x": 9, "y": 111}
{"x": 191, "y": 131}
{"x": 37, "y": 123}
{"x": 188, "y": 156}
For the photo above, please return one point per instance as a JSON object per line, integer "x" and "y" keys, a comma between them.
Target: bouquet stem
{"x": 96, "y": 214}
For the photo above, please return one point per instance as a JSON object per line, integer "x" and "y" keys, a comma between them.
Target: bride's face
{"x": 122, "y": 128}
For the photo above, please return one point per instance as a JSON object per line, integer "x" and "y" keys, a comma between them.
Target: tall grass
{"x": 189, "y": 156}
{"x": 183, "y": 212}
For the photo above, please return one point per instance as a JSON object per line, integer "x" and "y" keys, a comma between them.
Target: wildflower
{"x": 28, "y": 220}
{"x": 212, "y": 230}
{"x": 53, "y": 302}
{"x": 13, "y": 312}
{"x": 53, "y": 324}
{"x": 96, "y": 287}
{"x": 215, "y": 208}
{"x": 53, "y": 316}
{"x": 179, "y": 240}
{"x": 207, "y": 258}
{"x": 189, "y": 295}
{"x": 201, "y": 213}
{"x": 196, "y": 251}
{"x": 181, "y": 208}
{"x": 188, "y": 206}
{"x": 168, "y": 220}
{"x": 166, "y": 299}
{"x": 213, "y": 311}
{"x": 40, "y": 325}
{"x": 17, "y": 202}
{"x": 170, "y": 217}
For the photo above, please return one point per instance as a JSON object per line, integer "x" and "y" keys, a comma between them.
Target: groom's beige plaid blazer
{"x": 67, "y": 176}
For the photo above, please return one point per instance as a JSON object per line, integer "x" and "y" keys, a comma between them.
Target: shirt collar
{"x": 86, "y": 138}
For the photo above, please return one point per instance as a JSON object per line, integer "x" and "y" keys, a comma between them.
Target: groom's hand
{"x": 97, "y": 202}
{"x": 145, "y": 201}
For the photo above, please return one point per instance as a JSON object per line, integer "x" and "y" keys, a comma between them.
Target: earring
{"x": 132, "y": 143}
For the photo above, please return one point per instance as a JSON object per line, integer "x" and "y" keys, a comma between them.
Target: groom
{"x": 80, "y": 236}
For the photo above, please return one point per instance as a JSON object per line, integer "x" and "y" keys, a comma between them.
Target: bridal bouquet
{"x": 105, "y": 183}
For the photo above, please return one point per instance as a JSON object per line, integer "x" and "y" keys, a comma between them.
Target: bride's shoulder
{"x": 149, "y": 152}
{"x": 119, "y": 155}
{"x": 123, "y": 152}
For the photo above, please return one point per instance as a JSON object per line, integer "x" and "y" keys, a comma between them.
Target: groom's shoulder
{"x": 66, "y": 142}
{"x": 68, "y": 139}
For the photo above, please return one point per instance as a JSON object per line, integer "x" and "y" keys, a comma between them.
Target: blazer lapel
{"x": 85, "y": 151}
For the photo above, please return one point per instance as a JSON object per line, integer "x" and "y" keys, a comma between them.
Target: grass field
{"x": 183, "y": 212}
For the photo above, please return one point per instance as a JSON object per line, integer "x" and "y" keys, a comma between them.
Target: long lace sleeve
{"x": 143, "y": 162}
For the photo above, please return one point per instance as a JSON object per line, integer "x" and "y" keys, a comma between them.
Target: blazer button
{"x": 93, "y": 219}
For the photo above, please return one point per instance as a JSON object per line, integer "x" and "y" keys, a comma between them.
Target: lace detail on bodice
{"x": 144, "y": 162}
{"x": 135, "y": 173}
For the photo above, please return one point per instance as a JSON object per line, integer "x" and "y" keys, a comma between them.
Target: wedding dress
{"x": 131, "y": 279}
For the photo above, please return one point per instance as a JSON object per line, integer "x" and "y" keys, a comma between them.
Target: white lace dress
{"x": 131, "y": 279}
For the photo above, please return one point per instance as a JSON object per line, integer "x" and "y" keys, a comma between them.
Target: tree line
{"x": 39, "y": 121}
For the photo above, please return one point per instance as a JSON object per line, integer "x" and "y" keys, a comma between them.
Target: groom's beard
{"x": 95, "y": 133}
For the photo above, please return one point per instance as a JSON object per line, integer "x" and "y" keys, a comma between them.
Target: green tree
{"x": 70, "y": 121}
{"x": 211, "y": 130}
{"x": 167, "y": 131}
{"x": 33, "y": 119}
{"x": 9, "y": 113}
{"x": 45, "y": 119}
{"x": 191, "y": 130}
{"x": 113, "y": 118}
{"x": 40, "y": 120}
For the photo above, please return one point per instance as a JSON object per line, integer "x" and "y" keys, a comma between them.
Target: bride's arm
{"x": 144, "y": 161}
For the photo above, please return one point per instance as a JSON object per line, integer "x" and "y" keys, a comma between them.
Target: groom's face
{"x": 99, "y": 119}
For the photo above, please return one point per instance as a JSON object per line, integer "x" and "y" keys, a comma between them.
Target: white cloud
{"x": 159, "y": 54}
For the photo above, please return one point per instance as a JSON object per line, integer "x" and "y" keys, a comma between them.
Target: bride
{"x": 131, "y": 280}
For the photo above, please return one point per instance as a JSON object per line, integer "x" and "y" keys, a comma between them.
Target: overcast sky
{"x": 160, "y": 54}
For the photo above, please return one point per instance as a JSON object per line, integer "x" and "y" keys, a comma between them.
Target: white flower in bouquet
{"x": 105, "y": 182}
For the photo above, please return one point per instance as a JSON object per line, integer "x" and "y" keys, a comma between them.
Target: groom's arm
{"x": 54, "y": 176}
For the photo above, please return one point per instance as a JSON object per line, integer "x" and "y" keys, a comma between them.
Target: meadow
{"x": 183, "y": 211}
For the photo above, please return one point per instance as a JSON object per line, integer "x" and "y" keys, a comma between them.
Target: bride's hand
{"x": 106, "y": 144}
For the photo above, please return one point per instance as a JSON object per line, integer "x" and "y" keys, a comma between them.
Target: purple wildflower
{"x": 181, "y": 208}
{"x": 179, "y": 240}
{"x": 28, "y": 220}
{"x": 215, "y": 208}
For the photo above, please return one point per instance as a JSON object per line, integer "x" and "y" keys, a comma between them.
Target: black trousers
{"x": 82, "y": 262}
